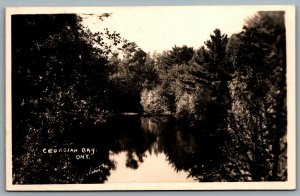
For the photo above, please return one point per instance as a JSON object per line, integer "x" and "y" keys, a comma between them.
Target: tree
{"x": 258, "y": 91}
{"x": 59, "y": 83}
{"x": 211, "y": 57}
{"x": 178, "y": 55}
{"x": 209, "y": 70}
{"x": 133, "y": 72}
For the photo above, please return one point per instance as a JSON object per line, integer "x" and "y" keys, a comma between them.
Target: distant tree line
{"x": 65, "y": 77}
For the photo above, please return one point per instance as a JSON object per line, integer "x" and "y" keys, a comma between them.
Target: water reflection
{"x": 188, "y": 151}
{"x": 155, "y": 168}
{"x": 133, "y": 149}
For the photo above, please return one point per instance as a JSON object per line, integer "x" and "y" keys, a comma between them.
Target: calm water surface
{"x": 151, "y": 149}
{"x": 153, "y": 166}
{"x": 127, "y": 149}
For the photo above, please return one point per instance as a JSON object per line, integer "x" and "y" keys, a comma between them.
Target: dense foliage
{"x": 60, "y": 84}
{"x": 66, "y": 78}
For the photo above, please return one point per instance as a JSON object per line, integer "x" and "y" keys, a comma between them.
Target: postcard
{"x": 150, "y": 98}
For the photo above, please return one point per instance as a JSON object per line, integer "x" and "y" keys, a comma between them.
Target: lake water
{"x": 154, "y": 165}
{"x": 152, "y": 149}
{"x": 129, "y": 149}
{"x": 155, "y": 168}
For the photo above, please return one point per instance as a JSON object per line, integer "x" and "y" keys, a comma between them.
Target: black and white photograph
{"x": 150, "y": 98}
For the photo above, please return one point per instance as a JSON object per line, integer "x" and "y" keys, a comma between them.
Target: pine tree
{"x": 209, "y": 70}
{"x": 179, "y": 55}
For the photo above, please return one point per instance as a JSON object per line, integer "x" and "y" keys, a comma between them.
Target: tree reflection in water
{"x": 189, "y": 149}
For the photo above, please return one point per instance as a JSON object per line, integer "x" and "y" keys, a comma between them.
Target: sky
{"x": 160, "y": 28}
